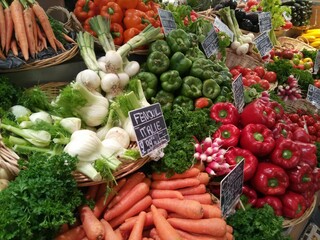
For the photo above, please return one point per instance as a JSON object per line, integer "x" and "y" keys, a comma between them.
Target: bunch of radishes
{"x": 290, "y": 90}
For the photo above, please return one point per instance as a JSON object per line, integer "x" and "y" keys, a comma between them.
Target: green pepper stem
{"x": 273, "y": 182}
{"x": 223, "y": 114}
{"x": 258, "y": 137}
{"x": 226, "y": 134}
{"x": 286, "y": 154}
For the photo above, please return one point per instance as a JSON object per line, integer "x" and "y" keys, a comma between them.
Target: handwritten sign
{"x": 316, "y": 66}
{"x": 223, "y": 28}
{"x": 210, "y": 43}
{"x": 265, "y": 24}
{"x": 238, "y": 93}
{"x": 150, "y": 128}
{"x": 263, "y": 43}
{"x": 167, "y": 20}
{"x": 286, "y": 16}
{"x": 231, "y": 188}
{"x": 313, "y": 95}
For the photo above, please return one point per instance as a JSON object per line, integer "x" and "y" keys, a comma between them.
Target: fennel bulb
{"x": 20, "y": 112}
{"x": 89, "y": 78}
{"x": 71, "y": 124}
{"x": 41, "y": 116}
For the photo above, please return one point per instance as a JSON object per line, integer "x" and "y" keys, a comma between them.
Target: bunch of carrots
{"x": 156, "y": 207}
{"x": 25, "y": 27}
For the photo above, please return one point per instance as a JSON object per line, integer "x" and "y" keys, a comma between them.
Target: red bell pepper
{"x": 301, "y": 135}
{"x": 135, "y": 19}
{"x": 308, "y": 153}
{"x": 277, "y": 108}
{"x": 87, "y": 27}
{"x": 235, "y": 155}
{"x": 225, "y": 113}
{"x": 281, "y": 130}
{"x": 258, "y": 139}
{"x": 258, "y": 112}
{"x": 316, "y": 177}
{"x": 130, "y": 33}
{"x": 286, "y": 153}
{"x": 270, "y": 179}
{"x": 142, "y": 6}
{"x": 84, "y": 9}
{"x": 309, "y": 196}
{"x": 249, "y": 195}
{"x": 294, "y": 204}
{"x": 116, "y": 31}
{"x": 112, "y": 11}
{"x": 229, "y": 135}
{"x": 273, "y": 201}
{"x": 301, "y": 178}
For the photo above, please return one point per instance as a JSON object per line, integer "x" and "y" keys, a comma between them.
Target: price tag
{"x": 316, "y": 66}
{"x": 238, "y": 93}
{"x": 210, "y": 43}
{"x": 286, "y": 16}
{"x": 265, "y": 24}
{"x": 167, "y": 20}
{"x": 313, "y": 95}
{"x": 231, "y": 189}
{"x": 223, "y": 28}
{"x": 150, "y": 128}
{"x": 263, "y": 43}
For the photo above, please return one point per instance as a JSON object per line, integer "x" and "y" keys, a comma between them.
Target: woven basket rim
{"x": 295, "y": 43}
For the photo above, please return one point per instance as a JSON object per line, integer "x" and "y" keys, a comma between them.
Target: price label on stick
{"x": 167, "y": 20}
{"x": 223, "y": 28}
{"x": 316, "y": 66}
{"x": 238, "y": 93}
{"x": 263, "y": 44}
{"x": 265, "y": 24}
{"x": 286, "y": 16}
{"x": 313, "y": 95}
{"x": 210, "y": 43}
{"x": 231, "y": 189}
{"x": 150, "y": 128}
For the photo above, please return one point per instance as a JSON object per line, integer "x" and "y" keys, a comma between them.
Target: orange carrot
{"x": 229, "y": 229}
{"x": 92, "y": 192}
{"x": 42, "y": 39}
{"x": 204, "y": 178}
{"x": 175, "y": 183}
{"x": 127, "y": 201}
{"x": 45, "y": 24}
{"x": 132, "y": 181}
{"x": 3, "y": 30}
{"x": 85, "y": 238}
{"x": 147, "y": 181}
{"x": 102, "y": 189}
{"x": 9, "y": 26}
{"x": 19, "y": 27}
{"x": 27, "y": 16}
{"x": 154, "y": 234}
{"x": 14, "y": 47}
{"x": 204, "y": 198}
{"x": 192, "y": 172}
{"x": 2, "y": 56}
{"x": 211, "y": 211}
{"x": 160, "y": 193}
{"x": 76, "y": 233}
{"x": 200, "y": 165}
{"x": 164, "y": 229}
{"x": 137, "y": 229}
{"x": 141, "y": 205}
{"x": 68, "y": 38}
{"x": 34, "y": 25}
{"x": 199, "y": 189}
{"x": 229, "y": 236}
{"x": 64, "y": 228}
{"x": 128, "y": 224}
{"x": 118, "y": 234}
{"x": 108, "y": 230}
{"x": 190, "y": 236}
{"x": 91, "y": 224}
{"x": 59, "y": 45}
{"x": 216, "y": 227}
{"x": 187, "y": 208}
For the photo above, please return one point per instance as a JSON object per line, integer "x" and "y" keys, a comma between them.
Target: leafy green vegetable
{"x": 282, "y": 67}
{"x": 42, "y": 198}
{"x": 35, "y": 99}
{"x": 9, "y": 93}
{"x": 257, "y": 223}
{"x": 304, "y": 79}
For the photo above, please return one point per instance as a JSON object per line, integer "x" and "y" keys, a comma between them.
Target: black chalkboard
{"x": 238, "y": 93}
{"x": 265, "y": 24}
{"x": 150, "y": 128}
{"x": 210, "y": 43}
{"x": 167, "y": 20}
{"x": 263, "y": 43}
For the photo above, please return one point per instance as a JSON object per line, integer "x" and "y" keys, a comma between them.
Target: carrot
{"x": 137, "y": 229}
{"x": 199, "y": 189}
{"x": 64, "y": 228}
{"x": 175, "y": 183}
{"x": 164, "y": 229}
{"x": 27, "y": 16}
{"x": 102, "y": 189}
{"x": 76, "y": 233}
{"x": 128, "y": 224}
{"x": 147, "y": 181}
{"x": 91, "y": 225}
{"x": 187, "y": 208}
{"x": 192, "y": 172}
{"x": 42, "y": 39}
{"x": 68, "y": 38}
{"x": 229, "y": 236}
{"x": 3, "y": 30}
{"x": 190, "y": 236}
{"x": 160, "y": 193}
{"x": 211, "y": 211}
{"x": 204, "y": 178}
{"x": 154, "y": 234}
{"x": 200, "y": 165}
{"x": 229, "y": 229}
{"x": 19, "y": 27}
{"x": 141, "y": 205}
{"x": 59, "y": 45}
{"x": 2, "y": 56}
{"x": 34, "y": 26}
{"x": 132, "y": 181}
{"x": 9, "y": 25}
{"x": 108, "y": 230}
{"x": 14, "y": 47}
{"x": 216, "y": 227}
{"x": 92, "y": 192}
{"x": 118, "y": 234}
{"x": 204, "y": 198}
{"x": 45, "y": 24}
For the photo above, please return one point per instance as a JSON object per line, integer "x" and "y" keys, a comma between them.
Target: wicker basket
{"x": 8, "y": 159}
{"x": 208, "y": 14}
{"x": 294, "y": 44}
{"x": 250, "y": 61}
{"x": 293, "y": 106}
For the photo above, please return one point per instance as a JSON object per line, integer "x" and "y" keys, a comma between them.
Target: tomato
{"x": 251, "y": 3}
{"x": 238, "y": 67}
{"x": 260, "y": 71}
{"x": 317, "y": 126}
{"x": 310, "y": 120}
{"x": 294, "y": 117}
{"x": 234, "y": 72}
{"x": 312, "y": 130}
{"x": 287, "y": 25}
{"x": 203, "y": 102}
{"x": 245, "y": 71}
{"x": 256, "y": 78}
{"x": 317, "y": 83}
{"x": 270, "y": 76}
{"x": 264, "y": 84}
{"x": 248, "y": 81}
{"x": 251, "y": 74}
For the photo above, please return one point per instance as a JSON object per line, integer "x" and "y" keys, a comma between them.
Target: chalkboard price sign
{"x": 263, "y": 44}
{"x": 238, "y": 93}
{"x": 150, "y": 128}
{"x": 210, "y": 43}
{"x": 167, "y": 20}
{"x": 313, "y": 95}
{"x": 231, "y": 188}
{"x": 223, "y": 28}
{"x": 265, "y": 24}
{"x": 316, "y": 66}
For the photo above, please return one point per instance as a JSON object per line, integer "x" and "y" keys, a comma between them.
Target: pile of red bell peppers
{"x": 280, "y": 158}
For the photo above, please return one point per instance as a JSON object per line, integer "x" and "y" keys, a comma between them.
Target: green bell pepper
{"x": 210, "y": 89}
{"x": 157, "y": 62}
{"x": 184, "y": 102}
{"x": 191, "y": 87}
{"x": 149, "y": 82}
{"x": 161, "y": 46}
{"x": 194, "y": 39}
{"x": 181, "y": 63}
{"x": 202, "y": 68}
{"x": 164, "y": 98}
{"x": 194, "y": 53}
{"x": 170, "y": 80}
{"x": 178, "y": 40}
{"x": 220, "y": 99}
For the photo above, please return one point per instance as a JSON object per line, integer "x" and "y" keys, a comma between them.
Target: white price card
{"x": 263, "y": 43}
{"x": 167, "y": 20}
{"x": 210, "y": 44}
{"x": 223, "y": 28}
{"x": 265, "y": 24}
{"x": 286, "y": 16}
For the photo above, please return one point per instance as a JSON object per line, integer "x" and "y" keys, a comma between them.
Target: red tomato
{"x": 294, "y": 117}
{"x": 317, "y": 126}
{"x": 248, "y": 81}
{"x": 251, "y": 74}
{"x": 310, "y": 120}
{"x": 264, "y": 84}
{"x": 312, "y": 130}
{"x": 251, "y": 3}
{"x": 234, "y": 72}
{"x": 287, "y": 25}
{"x": 270, "y": 76}
{"x": 245, "y": 71}
{"x": 256, "y": 78}
{"x": 260, "y": 71}
{"x": 238, "y": 67}
{"x": 317, "y": 83}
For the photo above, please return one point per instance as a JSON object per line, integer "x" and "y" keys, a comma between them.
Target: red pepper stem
{"x": 286, "y": 154}
{"x": 144, "y": 20}
{"x": 223, "y": 114}
{"x": 306, "y": 178}
{"x": 111, "y": 11}
{"x": 273, "y": 182}
{"x": 226, "y": 134}
{"x": 85, "y": 7}
{"x": 239, "y": 159}
{"x": 258, "y": 137}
